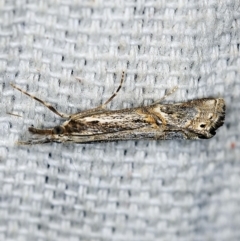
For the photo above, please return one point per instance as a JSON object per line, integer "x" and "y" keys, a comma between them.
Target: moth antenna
{"x": 171, "y": 91}
{"x": 50, "y": 107}
{"x": 119, "y": 87}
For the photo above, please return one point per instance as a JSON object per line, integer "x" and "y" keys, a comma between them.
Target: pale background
{"x": 71, "y": 54}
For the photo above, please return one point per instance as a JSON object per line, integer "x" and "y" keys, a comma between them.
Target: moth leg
{"x": 50, "y": 107}
{"x": 103, "y": 106}
{"x": 166, "y": 95}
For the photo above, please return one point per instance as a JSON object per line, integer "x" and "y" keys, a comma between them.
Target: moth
{"x": 195, "y": 119}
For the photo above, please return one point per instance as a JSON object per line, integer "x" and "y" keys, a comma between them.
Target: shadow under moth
{"x": 195, "y": 119}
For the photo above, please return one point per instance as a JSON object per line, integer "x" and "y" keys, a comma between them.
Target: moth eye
{"x": 58, "y": 130}
{"x": 203, "y": 125}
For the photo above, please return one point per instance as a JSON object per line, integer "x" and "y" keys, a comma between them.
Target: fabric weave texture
{"x": 71, "y": 54}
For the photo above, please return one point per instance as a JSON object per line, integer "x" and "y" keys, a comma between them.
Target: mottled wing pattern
{"x": 196, "y": 119}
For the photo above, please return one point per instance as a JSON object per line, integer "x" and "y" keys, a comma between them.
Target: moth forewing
{"x": 196, "y": 119}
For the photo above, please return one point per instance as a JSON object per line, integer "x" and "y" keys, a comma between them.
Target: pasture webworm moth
{"x": 195, "y": 119}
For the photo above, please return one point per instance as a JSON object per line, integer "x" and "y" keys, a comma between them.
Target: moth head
{"x": 48, "y": 135}
{"x": 57, "y": 130}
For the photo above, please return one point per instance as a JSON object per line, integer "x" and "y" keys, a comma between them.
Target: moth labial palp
{"x": 194, "y": 119}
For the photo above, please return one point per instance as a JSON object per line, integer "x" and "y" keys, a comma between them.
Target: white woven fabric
{"x": 71, "y": 54}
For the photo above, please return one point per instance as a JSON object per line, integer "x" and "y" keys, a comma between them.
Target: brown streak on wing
{"x": 109, "y": 122}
